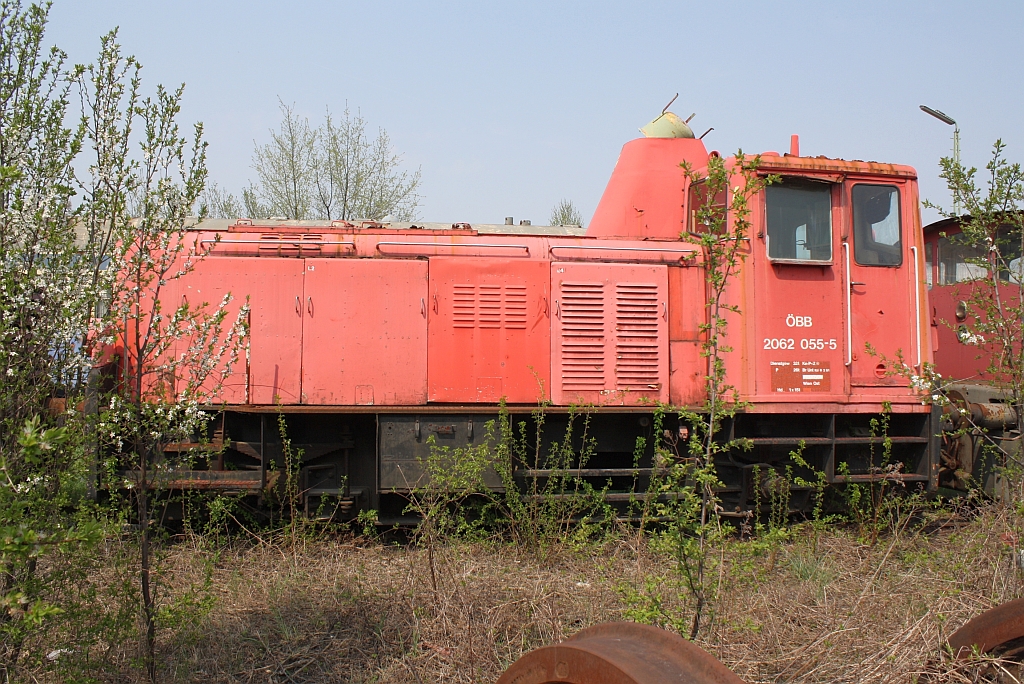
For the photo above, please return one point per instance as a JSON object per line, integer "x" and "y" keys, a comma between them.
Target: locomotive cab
{"x": 832, "y": 326}
{"x": 835, "y": 284}
{"x": 952, "y": 273}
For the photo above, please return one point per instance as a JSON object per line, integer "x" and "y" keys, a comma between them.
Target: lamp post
{"x": 948, "y": 120}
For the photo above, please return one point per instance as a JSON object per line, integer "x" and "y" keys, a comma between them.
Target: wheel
{"x": 620, "y": 653}
{"x": 998, "y": 632}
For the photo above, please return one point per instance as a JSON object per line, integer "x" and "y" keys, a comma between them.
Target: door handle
{"x": 435, "y": 302}
{"x": 546, "y": 313}
{"x": 423, "y": 307}
{"x": 854, "y": 282}
{"x": 309, "y": 306}
{"x": 298, "y": 306}
{"x": 664, "y": 310}
{"x": 558, "y": 310}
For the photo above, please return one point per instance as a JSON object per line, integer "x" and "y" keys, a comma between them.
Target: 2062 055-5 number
{"x": 805, "y": 343}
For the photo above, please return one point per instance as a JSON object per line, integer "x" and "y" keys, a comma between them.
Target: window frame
{"x": 831, "y": 186}
{"x": 899, "y": 218}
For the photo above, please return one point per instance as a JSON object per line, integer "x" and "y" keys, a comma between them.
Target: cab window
{"x": 700, "y": 204}
{"x": 1008, "y": 239}
{"x": 876, "y": 225}
{"x": 929, "y": 264}
{"x": 961, "y": 263}
{"x": 799, "y": 218}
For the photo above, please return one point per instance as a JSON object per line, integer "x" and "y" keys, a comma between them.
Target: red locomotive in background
{"x": 378, "y": 340}
{"x": 958, "y": 283}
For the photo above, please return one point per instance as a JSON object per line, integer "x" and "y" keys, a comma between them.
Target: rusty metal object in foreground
{"x": 620, "y": 653}
{"x": 994, "y": 631}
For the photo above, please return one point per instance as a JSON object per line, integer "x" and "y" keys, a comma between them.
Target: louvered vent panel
{"x": 636, "y": 331}
{"x": 490, "y": 307}
{"x": 583, "y": 339}
{"x": 515, "y": 307}
{"x": 464, "y": 306}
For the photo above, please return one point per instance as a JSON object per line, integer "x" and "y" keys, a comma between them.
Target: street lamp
{"x": 948, "y": 120}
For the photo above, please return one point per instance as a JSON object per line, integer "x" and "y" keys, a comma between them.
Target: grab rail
{"x": 849, "y": 309}
{"x": 292, "y": 243}
{"x": 917, "y": 304}
{"x": 445, "y": 245}
{"x": 667, "y": 250}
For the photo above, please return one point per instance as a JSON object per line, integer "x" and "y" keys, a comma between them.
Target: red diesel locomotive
{"x": 954, "y": 277}
{"x": 377, "y": 340}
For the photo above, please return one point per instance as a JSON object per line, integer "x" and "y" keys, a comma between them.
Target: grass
{"x": 823, "y": 607}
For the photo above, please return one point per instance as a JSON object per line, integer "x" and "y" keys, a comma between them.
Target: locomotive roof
{"x": 944, "y": 225}
{"x": 257, "y": 225}
{"x": 952, "y": 224}
{"x": 772, "y": 161}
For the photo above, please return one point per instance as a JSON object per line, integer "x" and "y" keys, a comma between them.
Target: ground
{"x": 827, "y": 604}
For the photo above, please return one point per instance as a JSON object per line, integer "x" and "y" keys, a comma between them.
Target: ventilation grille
{"x": 583, "y": 336}
{"x": 290, "y": 245}
{"x": 636, "y": 336}
{"x": 496, "y": 307}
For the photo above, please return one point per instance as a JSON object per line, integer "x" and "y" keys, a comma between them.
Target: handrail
{"x": 445, "y": 245}
{"x": 670, "y": 250}
{"x": 296, "y": 243}
{"x": 849, "y": 309}
{"x": 917, "y": 304}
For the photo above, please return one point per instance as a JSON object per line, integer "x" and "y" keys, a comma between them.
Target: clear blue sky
{"x": 510, "y": 106}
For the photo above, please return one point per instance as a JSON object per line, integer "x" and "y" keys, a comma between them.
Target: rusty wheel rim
{"x": 620, "y": 653}
{"x": 999, "y": 631}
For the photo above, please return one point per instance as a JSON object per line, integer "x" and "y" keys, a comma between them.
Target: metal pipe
{"x": 994, "y": 416}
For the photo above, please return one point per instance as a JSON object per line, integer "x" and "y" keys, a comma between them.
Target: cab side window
{"x": 929, "y": 263}
{"x": 960, "y": 263}
{"x": 877, "y": 239}
{"x": 799, "y": 217}
{"x": 701, "y": 207}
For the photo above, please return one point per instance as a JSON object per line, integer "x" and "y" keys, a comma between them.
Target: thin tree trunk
{"x": 148, "y": 608}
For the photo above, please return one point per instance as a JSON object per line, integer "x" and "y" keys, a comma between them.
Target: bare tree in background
{"x": 285, "y": 168}
{"x": 216, "y": 203}
{"x": 332, "y": 172}
{"x": 356, "y": 177}
{"x": 565, "y": 213}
